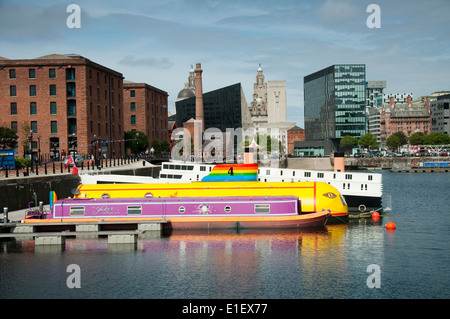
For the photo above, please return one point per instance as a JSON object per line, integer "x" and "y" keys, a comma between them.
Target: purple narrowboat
{"x": 187, "y": 212}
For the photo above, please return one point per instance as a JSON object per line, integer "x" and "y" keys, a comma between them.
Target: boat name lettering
{"x": 105, "y": 210}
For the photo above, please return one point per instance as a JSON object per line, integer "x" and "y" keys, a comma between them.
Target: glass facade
{"x": 222, "y": 108}
{"x": 335, "y": 102}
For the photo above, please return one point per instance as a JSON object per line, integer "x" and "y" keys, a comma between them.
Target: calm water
{"x": 322, "y": 263}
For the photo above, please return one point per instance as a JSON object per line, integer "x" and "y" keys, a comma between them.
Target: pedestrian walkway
{"x": 57, "y": 168}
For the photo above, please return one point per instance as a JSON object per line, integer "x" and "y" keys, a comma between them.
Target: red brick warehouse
{"x": 145, "y": 110}
{"x": 70, "y": 102}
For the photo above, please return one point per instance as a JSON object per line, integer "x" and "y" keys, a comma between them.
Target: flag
{"x": 69, "y": 161}
{"x": 75, "y": 170}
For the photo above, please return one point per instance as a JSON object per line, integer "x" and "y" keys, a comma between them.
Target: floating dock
{"x": 56, "y": 233}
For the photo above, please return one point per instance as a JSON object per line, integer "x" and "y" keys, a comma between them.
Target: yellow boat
{"x": 313, "y": 196}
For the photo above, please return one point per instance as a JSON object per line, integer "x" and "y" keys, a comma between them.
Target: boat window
{"x": 77, "y": 210}
{"x": 163, "y": 176}
{"x": 334, "y": 175}
{"x": 105, "y": 195}
{"x": 262, "y": 208}
{"x": 210, "y": 168}
{"x": 307, "y": 174}
{"x": 267, "y": 171}
{"x": 177, "y": 166}
{"x": 181, "y": 209}
{"x": 348, "y": 185}
{"x": 343, "y": 185}
{"x": 365, "y": 186}
{"x": 165, "y": 166}
{"x": 177, "y": 176}
{"x": 227, "y": 209}
{"x": 348, "y": 176}
{"x": 281, "y": 173}
{"x": 134, "y": 210}
{"x": 190, "y": 168}
{"x": 293, "y": 173}
{"x": 202, "y": 168}
{"x": 320, "y": 175}
{"x": 171, "y": 166}
{"x": 183, "y": 167}
{"x": 148, "y": 195}
{"x": 370, "y": 177}
{"x": 362, "y": 186}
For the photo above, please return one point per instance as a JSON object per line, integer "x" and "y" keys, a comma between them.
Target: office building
{"x": 334, "y": 106}
{"x": 222, "y": 108}
{"x": 440, "y": 114}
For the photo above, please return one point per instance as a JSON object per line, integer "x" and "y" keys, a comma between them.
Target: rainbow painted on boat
{"x": 233, "y": 173}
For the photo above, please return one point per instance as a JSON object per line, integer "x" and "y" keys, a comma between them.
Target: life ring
{"x": 372, "y": 163}
{"x": 362, "y": 208}
{"x": 414, "y": 165}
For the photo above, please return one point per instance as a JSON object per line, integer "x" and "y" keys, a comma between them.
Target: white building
{"x": 269, "y": 109}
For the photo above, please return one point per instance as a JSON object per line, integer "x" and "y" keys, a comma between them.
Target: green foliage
{"x": 8, "y": 138}
{"x": 436, "y": 139}
{"x": 416, "y": 138}
{"x": 347, "y": 142}
{"x": 136, "y": 141}
{"x": 369, "y": 141}
{"x": 156, "y": 146}
{"x": 393, "y": 142}
{"x": 402, "y": 138}
{"x": 22, "y": 162}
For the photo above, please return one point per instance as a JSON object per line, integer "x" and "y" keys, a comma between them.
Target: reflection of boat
{"x": 187, "y": 212}
{"x": 314, "y": 196}
{"x": 360, "y": 189}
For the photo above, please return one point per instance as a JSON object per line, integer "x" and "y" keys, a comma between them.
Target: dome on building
{"x": 185, "y": 94}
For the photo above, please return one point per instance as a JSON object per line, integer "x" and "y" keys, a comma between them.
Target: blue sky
{"x": 156, "y": 41}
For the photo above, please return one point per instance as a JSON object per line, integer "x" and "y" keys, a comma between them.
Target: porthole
{"x": 148, "y": 195}
{"x": 105, "y": 195}
{"x": 227, "y": 209}
{"x": 181, "y": 209}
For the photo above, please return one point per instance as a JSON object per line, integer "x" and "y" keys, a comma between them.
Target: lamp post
{"x": 30, "y": 148}
{"x": 39, "y": 149}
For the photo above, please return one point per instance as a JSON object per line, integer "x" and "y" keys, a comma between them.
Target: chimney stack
{"x": 199, "y": 96}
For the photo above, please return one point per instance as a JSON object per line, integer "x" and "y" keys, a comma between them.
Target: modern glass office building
{"x": 223, "y": 108}
{"x": 334, "y": 103}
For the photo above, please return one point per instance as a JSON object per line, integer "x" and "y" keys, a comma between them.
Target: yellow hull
{"x": 314, "y": 196}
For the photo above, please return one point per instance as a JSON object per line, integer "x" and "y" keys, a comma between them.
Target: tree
{"x": 165, "y": 146}
{"x": 156, "y": 146}
{"x": 436, "y": 139}
{"x": 8, "y": 138}
{"x": 416, "y": 138}
{"x": 136, "y": 141}
{"x": 393, "y": 142}
{"x": 347, "y": 142}
{"x": 369, "y": 141}
{"x": 402, "y": 138}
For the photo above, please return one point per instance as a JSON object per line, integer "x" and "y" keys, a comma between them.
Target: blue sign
{"x": 7, "y": 159}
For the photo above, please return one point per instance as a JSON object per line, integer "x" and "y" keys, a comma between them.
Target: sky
{"x": 157, "y": 41}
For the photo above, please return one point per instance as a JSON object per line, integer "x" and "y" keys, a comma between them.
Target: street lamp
{"x": 30, "y": 148}
{"x": 39, "y": 149}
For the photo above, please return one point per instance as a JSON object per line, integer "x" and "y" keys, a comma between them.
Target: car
{"x": 443, "y": 154}
{"x": 78, "y": 159}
